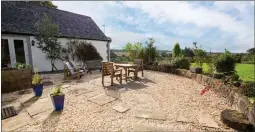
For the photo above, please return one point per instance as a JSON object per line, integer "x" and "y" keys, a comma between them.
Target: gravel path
{"x": 166, "y": 93}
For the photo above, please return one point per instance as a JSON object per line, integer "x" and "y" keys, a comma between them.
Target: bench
{"x": 93, "y": 65}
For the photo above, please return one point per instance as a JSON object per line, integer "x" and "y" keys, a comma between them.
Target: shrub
{"x": 86, "y": 51}
{"x": 190, "y": 59}
{"x": 248, "y": 59}
{"x": 210, "y": 66}
{"x": 188, "y": 52}
{"x": 199, "y": 55}
{"x": 19, "y": 65}
{"x": 164, "y": 62}
{"x": 155, "y": 63}
{"x": 181, "y": 62}
{"x": 237, "y": 58}
{"x": 225, "y": 62}
{"x": 249, "y": 89}
{"x": 150, "y": 51}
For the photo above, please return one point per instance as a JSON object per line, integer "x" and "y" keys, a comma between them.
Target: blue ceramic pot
{"x": 58, "y": 102}
{"x": 38, "y": 89}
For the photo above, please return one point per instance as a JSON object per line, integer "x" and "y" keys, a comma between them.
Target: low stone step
{"x": 236, "y": 120}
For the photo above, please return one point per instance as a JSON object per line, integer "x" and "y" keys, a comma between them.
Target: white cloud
{"x": 238, "y": 27}
{"x": 202, "y": 17}
{"x": 226, "y": 5}
{"x": 182, "y": 12}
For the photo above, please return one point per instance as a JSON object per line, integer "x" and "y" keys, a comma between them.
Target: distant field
{"x": 245, "y": 71}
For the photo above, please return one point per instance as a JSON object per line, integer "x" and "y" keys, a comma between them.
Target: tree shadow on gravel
{"x": 134, "y": 85}
{"x": 112, "y": 91}
{"x": 145, "y": 80}
{"x": 30, "y": 101}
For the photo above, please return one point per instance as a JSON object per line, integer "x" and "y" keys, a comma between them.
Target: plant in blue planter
{"x": 37, "y": 83}
{"x": 58, "y": 98}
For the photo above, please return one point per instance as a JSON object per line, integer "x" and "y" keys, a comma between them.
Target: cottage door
{"x": 17, "y": 50}
{"x": 5, "y": 53}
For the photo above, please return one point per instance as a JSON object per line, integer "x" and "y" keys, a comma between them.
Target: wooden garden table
{"x": 125, "y": 67}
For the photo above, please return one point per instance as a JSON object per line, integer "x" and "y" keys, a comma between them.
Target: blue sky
{"x": 215, "y": 25}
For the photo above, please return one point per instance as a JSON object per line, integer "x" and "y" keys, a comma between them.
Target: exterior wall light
{"x": 32, "y": 42}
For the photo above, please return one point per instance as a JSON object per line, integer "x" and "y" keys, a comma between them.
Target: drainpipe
{"x": 109, "y": 40}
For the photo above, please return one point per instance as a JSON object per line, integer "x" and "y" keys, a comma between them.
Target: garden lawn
{"x": 245, "y": 71}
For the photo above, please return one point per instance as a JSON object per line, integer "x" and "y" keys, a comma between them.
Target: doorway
{"x": 5, "y": 56}
{"x": 14, "y": 49}
{"x": 19, "y": 51}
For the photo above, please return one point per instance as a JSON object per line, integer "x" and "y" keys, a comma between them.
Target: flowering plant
{"x": 208, "y": 87}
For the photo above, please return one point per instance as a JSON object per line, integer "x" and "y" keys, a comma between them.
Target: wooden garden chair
{"x": 139, "y": 68}
{"x": 69, "y": 71}
{"x": 108, "y": 70}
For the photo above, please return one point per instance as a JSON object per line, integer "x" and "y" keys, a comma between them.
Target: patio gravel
{"x": 170, "y": 94}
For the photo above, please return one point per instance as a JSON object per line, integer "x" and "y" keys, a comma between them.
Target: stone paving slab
{"x": 101, "y": 99}
{"x": 121, "y": 108}
{"x": 185, "y": 119}
{"x": 30, "y": 98}
{"x": 91, "y": 94}
{"x": 150, "y": 115}
{"x": 186, "y": 116}
{"x": 149, "y": 128}
{"x": 39, "y": 106}
{"x": 15, "y": 122}
{"x": 206, "y": 120}
{"x": 41, "y": 117}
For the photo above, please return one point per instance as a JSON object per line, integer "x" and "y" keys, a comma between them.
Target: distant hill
{"x": 120, "y": 52}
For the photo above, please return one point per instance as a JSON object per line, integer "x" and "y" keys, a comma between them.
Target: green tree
{"x": 251, "y": 51}
{"x": 130, "y": 49}
{"x": 150, "y": 51}
{"x": 176, "y": 50}
{"x": 134, "y": 50}
{"x": 112, "y": 54}
{"x": 44, "y": 3}
{"x": 86, "y": 51}
{"x": 69, "y": 50}
{"x": 188, "y": 52}
{"x": 137, "y": 49}
{"x": 164, "y": 54}
{"x": 48, "y": 40}
{"x": 199, "y": 55}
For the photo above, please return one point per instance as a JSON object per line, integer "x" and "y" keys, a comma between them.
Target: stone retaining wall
{"x": 236, "y": 100}
{"x": 14, "y": 80}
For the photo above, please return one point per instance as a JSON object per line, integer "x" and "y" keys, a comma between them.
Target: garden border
{"x": 14, "y": 80}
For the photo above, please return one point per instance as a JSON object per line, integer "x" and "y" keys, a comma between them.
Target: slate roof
{"x": 21, "y": 17}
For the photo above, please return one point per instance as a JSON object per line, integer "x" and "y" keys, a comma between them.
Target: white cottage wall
{"x": 43, "y": 64}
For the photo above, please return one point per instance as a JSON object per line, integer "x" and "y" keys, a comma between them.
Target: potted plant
{"x": 58, "y": 98}
{"x": 37, "y": 83}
